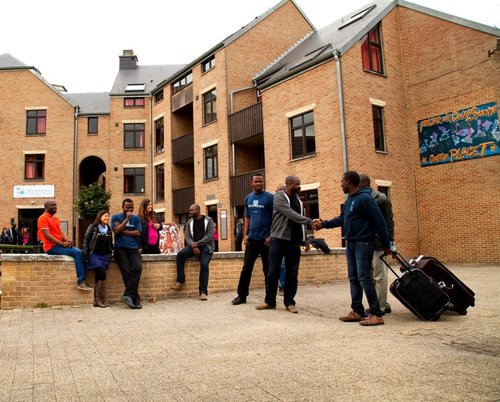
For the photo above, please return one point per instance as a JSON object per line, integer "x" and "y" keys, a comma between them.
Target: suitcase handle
{"x": 400, "y": 259}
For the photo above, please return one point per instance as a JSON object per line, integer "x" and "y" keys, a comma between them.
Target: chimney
{"x": 129, "y": 60}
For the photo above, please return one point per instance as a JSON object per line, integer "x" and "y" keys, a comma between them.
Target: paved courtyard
{"x": 188, "y": 350}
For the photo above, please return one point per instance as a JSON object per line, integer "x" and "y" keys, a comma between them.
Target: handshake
{"x": 317, "y": 224}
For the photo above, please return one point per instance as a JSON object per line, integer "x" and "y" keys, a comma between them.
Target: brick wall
{"x": 28, "y": 280}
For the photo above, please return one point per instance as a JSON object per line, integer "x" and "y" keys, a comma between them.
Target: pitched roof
{"x": 339, "y": 36}
{"x": 90, "y": 103}
{"x": 9, "y": 62}
{"x": 150, "y": 76}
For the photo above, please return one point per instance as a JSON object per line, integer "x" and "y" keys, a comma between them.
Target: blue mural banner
{"x": 460, "y": 135}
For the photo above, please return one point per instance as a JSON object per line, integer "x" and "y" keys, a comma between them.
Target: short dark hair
{"x": 126, "y": 200}
{"x": 352, "y": 177}
{"x": 365, "y": 178}
{"x": 257, "y": 174}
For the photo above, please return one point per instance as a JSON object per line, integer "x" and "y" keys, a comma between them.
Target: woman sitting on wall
{"x": 151, "y": 226}
{"x": 97, "y": 250}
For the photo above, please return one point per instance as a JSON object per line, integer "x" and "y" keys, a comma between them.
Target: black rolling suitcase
{"x": 417, "y": 291}
{"x": 461, "y": 296}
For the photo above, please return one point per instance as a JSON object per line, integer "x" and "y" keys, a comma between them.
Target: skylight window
{"x": 135, "y": 87}
{"x": 356, "y": 17}
{"x": 310, "y": 56}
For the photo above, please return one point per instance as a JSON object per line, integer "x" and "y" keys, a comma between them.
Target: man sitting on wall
{"x": 55, "y": 241}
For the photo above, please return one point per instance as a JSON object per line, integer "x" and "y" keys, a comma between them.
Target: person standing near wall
{"x": 379, "y": 269}
{"x": 127, "y": 229}
{"x": 256, "y": 234}
{"x": 151, "y": 227}
{"x": 55, "y": 241}
{"x": 288, "y": 230}
{"x": 97, "y": 250}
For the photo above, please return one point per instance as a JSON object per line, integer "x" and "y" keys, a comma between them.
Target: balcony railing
{"x": 182, "y": 98}
{"x": 182, "y": 148}
{"x": 246, "y": 123}
{"x": 182, "y": 199}
{"x": 240, "y": 186}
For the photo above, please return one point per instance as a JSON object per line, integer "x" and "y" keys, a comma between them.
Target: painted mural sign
{"x": 171, "y": 239}
{"x": 460, "y": 135}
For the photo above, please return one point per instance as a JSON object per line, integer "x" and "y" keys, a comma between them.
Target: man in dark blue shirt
{"x": 127, "y": 229}
{"x": 361, "y": 219}
{"x": 256, "y": 234}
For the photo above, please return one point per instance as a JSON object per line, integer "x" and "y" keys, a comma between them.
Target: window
{"x": 133, "y": 102}
{"x": 161, "y": 216}
{"x": 208, "y": 64}
{"x": 371, "y": 51}
{"x": 384, "y": 190}
{"x": 160, "y": 182}
{"x": 133, "y": 180}
{"x": 135, "y": 87}
{"x": 34, "y": 166}
{"x": 159, "y": 136}
{"x": 211, "y": 163}
{"x": 209, "y": 106}
{"x": 303, "y": 139}
{"x": 310, "y": 201}
{"x": 92, "y": 127}
{"x": 182, "y": 82}
{"x": 159, "y": 96}
{"x": 36, "y": 121}
{"x": 378, "y": 128}
{"x": 134, "y": 135}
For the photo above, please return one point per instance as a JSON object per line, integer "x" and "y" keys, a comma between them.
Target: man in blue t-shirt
{"x": 127, "y": 229}
{"x": 256, "y": 234}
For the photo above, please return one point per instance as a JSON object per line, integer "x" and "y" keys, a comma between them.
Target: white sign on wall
{"x": 34, "y": 191}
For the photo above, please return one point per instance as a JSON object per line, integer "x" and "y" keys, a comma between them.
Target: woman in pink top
{"x": 151, "y": 226}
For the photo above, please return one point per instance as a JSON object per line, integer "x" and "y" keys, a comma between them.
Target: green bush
{"x": 92, "y": 199}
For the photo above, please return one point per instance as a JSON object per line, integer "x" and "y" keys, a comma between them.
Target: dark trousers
{"x": 205, "y": 257}
{"x": 278, "y": 249}
{"x": 129, "y": 261}
{"x": 254, "y": 248}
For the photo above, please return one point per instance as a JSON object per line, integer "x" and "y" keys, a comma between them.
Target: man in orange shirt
{"x": 55, "y": 241}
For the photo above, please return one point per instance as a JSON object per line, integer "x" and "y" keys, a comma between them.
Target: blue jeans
{"x": 359, "y": 268}
{"x": 282, "y": 274}
{"x": 205, "y": 258}
{"x": 290, "y": 251}
{"x": 77, "y": 254}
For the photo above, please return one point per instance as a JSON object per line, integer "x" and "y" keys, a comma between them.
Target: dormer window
{"x": 208, "y": 64}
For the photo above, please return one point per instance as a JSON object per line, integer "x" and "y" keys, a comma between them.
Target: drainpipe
{"x": 231, "y": 108}
{"x": 341, "y": 110}
{"x": 75, "y": 159}
{"x": 152, "y": 147}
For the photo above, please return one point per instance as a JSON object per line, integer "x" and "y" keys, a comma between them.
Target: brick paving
{"x": 187, "y": 350}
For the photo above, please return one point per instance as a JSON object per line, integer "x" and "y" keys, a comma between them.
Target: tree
{"x": 92, "y": 199}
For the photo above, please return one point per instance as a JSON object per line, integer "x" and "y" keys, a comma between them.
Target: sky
{"x": 78, "y": 44}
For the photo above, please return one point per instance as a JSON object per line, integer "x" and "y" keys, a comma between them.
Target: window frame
{"x": 89, "y": 131}
{"x": 379, "y": 129}
{"x": 38, "y": 164}
{"x": 208, "y": 64}
{"x": 211, "y": 154}
{"x": 40, "y": 122}
{"x": 182, "y": 82}
{"x": 303, "y": 128}
{"x": 368, "y": 46}
{"x": 210, "y": 99}
{"x": 160, "y": 182}
{"x": 305, "y": 197}
{"x": 135, "y": 132}
{"x": 136, "y": 102}
{"x": 159, "y": 133}
{"x": 134, "y": 174}
{"x": 158, "y": 96}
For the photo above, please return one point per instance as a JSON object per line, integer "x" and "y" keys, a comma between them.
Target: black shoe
{"x": 128, "y": 301}
{"x": 387, "y": 310}
{"x": 238, "y": 300}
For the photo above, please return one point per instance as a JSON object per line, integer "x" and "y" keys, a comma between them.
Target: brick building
{"x": 363, "y": 93}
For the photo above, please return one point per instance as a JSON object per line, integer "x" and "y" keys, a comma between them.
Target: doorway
{"x": 28, "y": 217}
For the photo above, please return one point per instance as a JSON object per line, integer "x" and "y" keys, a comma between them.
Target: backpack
{"x": 238, "y": 231}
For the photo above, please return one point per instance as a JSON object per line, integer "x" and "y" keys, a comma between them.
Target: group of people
{"x": 15, "y": 237}
{"x": 273, "y": 227}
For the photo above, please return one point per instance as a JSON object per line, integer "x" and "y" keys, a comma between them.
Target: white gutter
{"x": 341, "y": 110}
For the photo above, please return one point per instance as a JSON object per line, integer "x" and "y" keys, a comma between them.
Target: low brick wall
{"x": 30, "y": 279}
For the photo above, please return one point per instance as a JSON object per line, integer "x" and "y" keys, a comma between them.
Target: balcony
{"x": 182, "y": 199}
{"x": 240, "y": 186}
{"x": 182, "y": 148}
{"x": 182, "y": 98}
{"x": 246, "y": 123}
